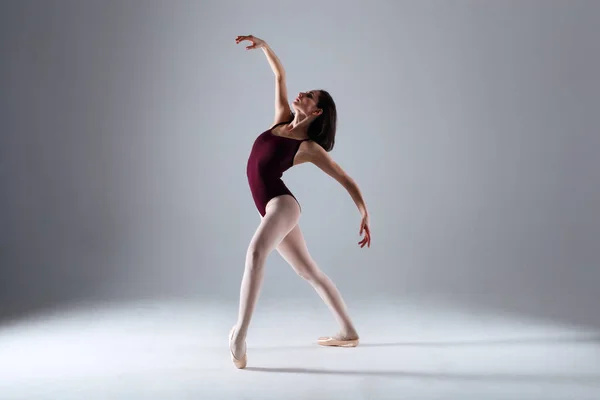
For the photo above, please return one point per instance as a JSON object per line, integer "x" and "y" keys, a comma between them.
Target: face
{"x": 306, "y": 103}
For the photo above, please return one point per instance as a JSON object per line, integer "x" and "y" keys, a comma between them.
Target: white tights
{"x": 279, "y": 229}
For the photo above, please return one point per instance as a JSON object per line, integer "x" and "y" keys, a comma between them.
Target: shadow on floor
{"x": 492, "y": 342}
{"x": 525, "y": 378}
{"x": 541, "y": 341}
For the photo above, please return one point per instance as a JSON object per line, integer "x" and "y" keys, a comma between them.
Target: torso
{"x": 300, "y": 156}
{"x": 271, "y": 155}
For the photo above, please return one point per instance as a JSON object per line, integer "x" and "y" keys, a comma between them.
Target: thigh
{"x": 293, "y": 249}
{"x": 281, "y": 216}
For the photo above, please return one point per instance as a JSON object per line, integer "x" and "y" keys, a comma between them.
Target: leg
{"x": 282, "y": 214}
{"x": 293, "y": 249}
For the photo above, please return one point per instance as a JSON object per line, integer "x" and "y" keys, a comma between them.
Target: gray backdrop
{"x": 470, "y": 126}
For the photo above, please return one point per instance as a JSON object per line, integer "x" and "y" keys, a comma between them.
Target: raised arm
{"x": 282, "y": 107}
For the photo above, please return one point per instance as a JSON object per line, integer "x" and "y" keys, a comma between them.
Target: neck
{"x": 300, "y": 124}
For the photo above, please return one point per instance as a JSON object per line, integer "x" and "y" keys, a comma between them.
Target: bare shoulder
{"x": 310, "y": 151}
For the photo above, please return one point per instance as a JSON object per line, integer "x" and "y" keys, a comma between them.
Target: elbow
{"x": 349, "y": 184}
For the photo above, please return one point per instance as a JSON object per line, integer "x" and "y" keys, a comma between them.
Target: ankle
{"x": 238, "y": 334}
{"x": 349, "y": 333}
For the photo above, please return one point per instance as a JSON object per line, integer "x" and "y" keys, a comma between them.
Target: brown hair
{"x": 322, "y": 129}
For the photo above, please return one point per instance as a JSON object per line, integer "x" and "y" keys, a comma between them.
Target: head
{"x": 318, "y": 105}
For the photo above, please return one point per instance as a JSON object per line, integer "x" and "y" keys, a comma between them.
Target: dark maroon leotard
{"x": 270, "y": 157}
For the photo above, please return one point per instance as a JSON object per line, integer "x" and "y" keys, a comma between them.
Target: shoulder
{"x": 312, "y": 148}
{"x": 311, "y": 151}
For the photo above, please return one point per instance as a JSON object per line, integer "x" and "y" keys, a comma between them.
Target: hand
{"x": 364, "y": 227}
{"x": 256, "y": 42}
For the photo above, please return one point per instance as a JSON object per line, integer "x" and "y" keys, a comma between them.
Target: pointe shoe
{"x": 241, "y": 363}
{"x": 331, "y": 341}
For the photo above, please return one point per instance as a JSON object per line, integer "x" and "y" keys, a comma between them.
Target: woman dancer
{"x": 307, "y": 135}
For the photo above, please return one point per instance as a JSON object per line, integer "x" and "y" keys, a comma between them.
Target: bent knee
{"x": 306, "y": 275}
{"x": 307, "y": 271}
{"x": 256, "y": 256}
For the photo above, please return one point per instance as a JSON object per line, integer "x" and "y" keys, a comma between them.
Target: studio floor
{"x": 178, "y": 350}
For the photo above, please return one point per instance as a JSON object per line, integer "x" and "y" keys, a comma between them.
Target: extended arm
{"x": 274, "y": 62}
{"x": 282, "y": 108}
{"x": 318, "y": 156}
